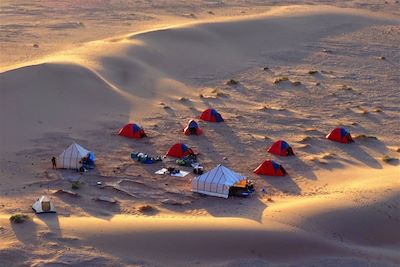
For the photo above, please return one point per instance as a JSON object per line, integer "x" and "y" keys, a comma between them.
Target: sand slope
{"x": 339, "y": 205}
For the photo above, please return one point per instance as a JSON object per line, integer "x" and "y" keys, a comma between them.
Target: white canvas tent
{"x": 70, "y": 157}
{"x": 43, "y": 204}
{"x": 217, "y": 182}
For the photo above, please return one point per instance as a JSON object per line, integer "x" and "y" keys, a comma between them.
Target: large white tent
{"x": 217, "y": 182}
{"x": 71, "y": 157}
{"x": 43, "y": 204}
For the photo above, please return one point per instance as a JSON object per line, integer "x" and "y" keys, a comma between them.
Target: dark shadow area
{"x": 227, "y": 134}
{"x": 26, "y": 232}
{"x": 294, "y": 164}
{"x": 51, "y": 220}
{"x": 251, "y": 208}
{"x": 356, "y": 152}
{"x": 285, "y": 184}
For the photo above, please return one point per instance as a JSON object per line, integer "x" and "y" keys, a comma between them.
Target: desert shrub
{"x": 312, "y": 72}
{"x": 146, "y": 209}
{"x": 281, "y": 79}
{"x": 75, "y": 185}
{"x": 232, "y": 82}
{"x": 387, "y": 159}
{"x": 19, "y": 218}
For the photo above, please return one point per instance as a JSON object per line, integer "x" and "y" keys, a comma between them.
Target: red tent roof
{"x": 340, "y": 135}
{"x": 179, "y": 150}
{"x": 270, "y": 168}
{"x": 132, "y": 130}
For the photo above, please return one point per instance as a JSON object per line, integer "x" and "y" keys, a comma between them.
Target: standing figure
{"x": 54, "y": 162}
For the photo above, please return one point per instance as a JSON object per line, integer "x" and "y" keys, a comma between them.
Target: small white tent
{"x": 70, "y": 158}
{"x": 217, "y": 182}
{"x": 43, "y": 204}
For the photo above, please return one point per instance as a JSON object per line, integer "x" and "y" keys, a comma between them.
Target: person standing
{"x": 54, "y": 162}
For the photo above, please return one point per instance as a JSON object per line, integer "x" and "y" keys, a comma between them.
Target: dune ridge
{"x": 325, "y": 212}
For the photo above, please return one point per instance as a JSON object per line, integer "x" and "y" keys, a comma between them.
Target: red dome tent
{"x": 340, "y": 135}
{"x": 192, "y": 128}
{"x": 270, "y": 168}
{"x": 211, "y": 115}
{"x": 132, "y": 130}
{"x": 281, "y": 148}
{"x": 179, "y": 150}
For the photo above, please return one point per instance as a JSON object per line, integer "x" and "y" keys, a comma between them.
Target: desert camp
{"x": 199, "y": 133}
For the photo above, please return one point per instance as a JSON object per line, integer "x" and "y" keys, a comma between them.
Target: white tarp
{"x": 216, "y": 182}
{"x": 70, "y": 157}
{"x": 179, "y": 174}
{"x": 43, "y": 204}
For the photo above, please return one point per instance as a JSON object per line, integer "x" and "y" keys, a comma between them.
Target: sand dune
{"x": 339, "y": 205}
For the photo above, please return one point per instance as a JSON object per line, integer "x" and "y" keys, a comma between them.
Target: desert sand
{"x": 77, "y": 72}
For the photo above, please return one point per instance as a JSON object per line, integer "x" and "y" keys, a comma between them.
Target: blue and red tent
{"x": 270, "y": 168}
{"x": 132, "y": 130}
{"x": 180, "y": 150}
{"x": 340, "y": 135}
{"x": 211, "y": 115}
{"x": 281, "y": 148}
{"x": 192, "y": 128}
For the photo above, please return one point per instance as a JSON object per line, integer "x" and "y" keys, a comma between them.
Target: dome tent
{"x": 132, "y": 130}
{"x": 43, "y": 205}
{"x": 217, "y": 182}
{"x": 270, "y": 168}
{"x": 192, "y": 128}
{"x": 211, "y": 115}
{"x": 71, "y": 158}
{"x": 281, "y": 148}
{"x": 179, "y": 150}
{"x": 340, "y": 135}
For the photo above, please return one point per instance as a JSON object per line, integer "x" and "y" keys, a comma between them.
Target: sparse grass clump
{"x": 305, "y": 139}
{"x": 345, "y": 87}
{"x": 281, "y": 79}
{"x": 19, "y": 218}
{"x": 387, "y": 159}
{"x": 312, "y": 72}
{"x": 147, "y": 209}
{"x": 363, "y": 136}
{"x": 232, "y": 82}
{"x": 183, "y": 99}
{"x": 75, "y": 185}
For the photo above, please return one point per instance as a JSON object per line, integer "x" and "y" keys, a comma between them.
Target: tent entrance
{"x": 46, "y": 206}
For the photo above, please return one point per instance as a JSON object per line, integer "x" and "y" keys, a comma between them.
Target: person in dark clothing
{"x": 54, "y": 162}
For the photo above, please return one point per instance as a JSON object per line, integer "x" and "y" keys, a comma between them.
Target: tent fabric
{"x": 42, "y": 205}
{"x": 217, "y": 181}
{"x": 179, "y": 150}
{"x": 270, "y": 168}
{"x": 281, "y": 148}
{"x": 340, "y": 135}
{"x": 132, "y": 130}
{"x": 71, "y": 157}
{"x": 211, "y": 115}
{"x": 192, "y": 128}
